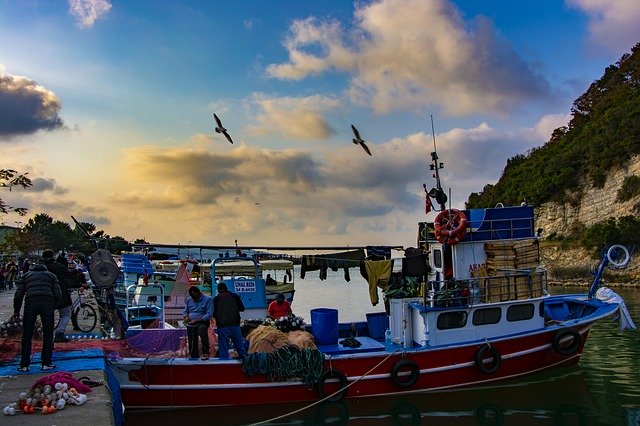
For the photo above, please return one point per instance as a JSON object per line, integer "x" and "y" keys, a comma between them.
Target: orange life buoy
{"x": 450, "y": 226}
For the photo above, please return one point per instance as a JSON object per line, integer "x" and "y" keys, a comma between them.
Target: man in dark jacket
{"x": 66, "y": 281}
{"x": 226, "y": 311}
{"x": 40, "y": 290}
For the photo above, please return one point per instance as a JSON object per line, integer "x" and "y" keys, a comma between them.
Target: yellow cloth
{"x": 378, "y": 273}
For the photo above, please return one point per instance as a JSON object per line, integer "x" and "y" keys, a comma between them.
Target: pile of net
{"x": 268, "y": 339}
{"x": 285, "y": 363}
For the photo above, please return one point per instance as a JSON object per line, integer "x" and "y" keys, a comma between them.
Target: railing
{"x": 509, "y": 284}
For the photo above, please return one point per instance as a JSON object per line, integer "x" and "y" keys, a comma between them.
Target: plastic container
{"x": 324, "y": 326}
{"x": 378, "y": 322}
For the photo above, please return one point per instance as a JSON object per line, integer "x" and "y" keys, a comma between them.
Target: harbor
{"x": 99, "y": 408}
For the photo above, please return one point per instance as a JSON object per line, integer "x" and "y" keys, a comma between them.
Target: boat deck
{"x": 367, "y": 344}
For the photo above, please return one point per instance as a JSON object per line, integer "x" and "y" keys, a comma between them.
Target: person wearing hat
{"x": 197, "y": 313}
{"x": 279, "y": 307}
{"x": 226, "y": 311}
{"x": 40, "y": 290}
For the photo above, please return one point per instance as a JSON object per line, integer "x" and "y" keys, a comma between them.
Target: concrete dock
{"x": 97, "y": 411}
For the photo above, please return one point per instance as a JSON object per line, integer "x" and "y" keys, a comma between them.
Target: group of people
{"x": 225, "y": 309}
{"x": 43, "y": 288}
{"x": 9, "y": 273}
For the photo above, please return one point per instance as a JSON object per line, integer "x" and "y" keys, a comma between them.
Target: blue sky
{"x": 108, "y": 105}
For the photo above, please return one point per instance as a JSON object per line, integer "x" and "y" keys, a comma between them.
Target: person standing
{"x": 40, "y": 290}
{"x": 65, "y": 280}
{"x": 226, "y": 311}
{"x": 197, "y": 314}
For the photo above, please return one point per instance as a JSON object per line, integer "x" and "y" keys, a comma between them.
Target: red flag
{"x": 427, "y": 204}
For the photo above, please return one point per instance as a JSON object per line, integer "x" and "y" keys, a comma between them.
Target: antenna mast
{"x": 437, "y": 192}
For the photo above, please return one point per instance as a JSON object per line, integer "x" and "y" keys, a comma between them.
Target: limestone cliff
{"x": 594, "y": 204}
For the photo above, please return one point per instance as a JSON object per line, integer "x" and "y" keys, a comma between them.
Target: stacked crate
{"x": 514, "y": 264}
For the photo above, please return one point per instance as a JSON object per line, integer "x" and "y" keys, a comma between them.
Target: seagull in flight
{"x": 359, "y": 141}
{"x": 221, "y": 129}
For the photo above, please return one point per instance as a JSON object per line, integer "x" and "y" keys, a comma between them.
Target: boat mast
{"x": 437, "y": 192}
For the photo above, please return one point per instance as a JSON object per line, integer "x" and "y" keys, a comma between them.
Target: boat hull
{"x": 149, "y": 383}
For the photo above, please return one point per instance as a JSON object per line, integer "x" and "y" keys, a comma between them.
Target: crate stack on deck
{"x": 513, "y": 264}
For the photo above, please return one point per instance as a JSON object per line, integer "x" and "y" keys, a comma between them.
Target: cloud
{"x": 613, "y": 24}
{"x": 50, "y": 185}
{"x": 87, "y": 12}
{"x": 295, "y": 118}
{"x": 408, "y": 54}
{"x": 26, "y": 107}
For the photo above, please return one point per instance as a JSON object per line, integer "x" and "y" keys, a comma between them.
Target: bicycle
{"x": 83, "y": 315}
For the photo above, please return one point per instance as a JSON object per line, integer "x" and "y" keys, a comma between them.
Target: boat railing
{"x": 505, "y": 285}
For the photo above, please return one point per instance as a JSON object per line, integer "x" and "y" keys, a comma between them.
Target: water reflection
{"x": 521, "y": 402}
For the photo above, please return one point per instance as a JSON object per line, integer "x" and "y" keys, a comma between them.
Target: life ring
{"x": 614, "y": 256}
{"x": 414, "y": 373}
{"x": 332, "y": 373}
{"x": 450, "y": 226}
{"x": 572, "y": 348}
{"x": 496, "y": 359}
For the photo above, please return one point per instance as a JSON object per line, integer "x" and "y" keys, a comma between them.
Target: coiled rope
{"x": 286, "y": 362}
{"x": 328, "y": 396}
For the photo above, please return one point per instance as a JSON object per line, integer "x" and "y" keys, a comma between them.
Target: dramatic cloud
{"x": 26, "y": 107}
{"x": 42, "y": 185}
{"x": 295, "y": 118}
{"x": 614, "y": 24}
{"x": 87, "y": 12}
{"x": 407, "y": 54}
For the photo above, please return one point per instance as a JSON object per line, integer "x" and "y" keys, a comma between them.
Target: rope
{"x": 328, "y": 396}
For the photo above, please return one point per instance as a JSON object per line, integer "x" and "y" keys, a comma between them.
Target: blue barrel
{"x": 324, "y": 326}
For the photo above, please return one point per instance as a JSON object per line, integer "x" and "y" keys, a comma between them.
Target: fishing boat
{"x": 478, "y": 312}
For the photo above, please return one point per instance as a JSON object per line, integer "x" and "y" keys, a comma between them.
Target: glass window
{"x": 520, "y": 312}
{"x": 437, "y": 258}
{"x": 448, "y": 320}
{"x": 487, "y": 316}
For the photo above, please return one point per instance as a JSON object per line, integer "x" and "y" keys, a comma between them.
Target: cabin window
{"x": 437, "y": 259}
{"x": 520, "y": 312}
{"x": 449, "y": 320}
{"x": 487, "y": 316}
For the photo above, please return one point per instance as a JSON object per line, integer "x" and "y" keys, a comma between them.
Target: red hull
{"x": 182, "y": 383}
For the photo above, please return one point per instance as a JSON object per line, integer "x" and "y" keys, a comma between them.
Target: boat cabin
{"x": 485, "y": 283}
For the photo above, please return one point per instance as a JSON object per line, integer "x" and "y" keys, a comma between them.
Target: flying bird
{"x": 359, "y": 141}
{"x": 221, "y": 129}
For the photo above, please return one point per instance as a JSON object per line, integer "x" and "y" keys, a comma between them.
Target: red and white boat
{"x": 484, "y": 315}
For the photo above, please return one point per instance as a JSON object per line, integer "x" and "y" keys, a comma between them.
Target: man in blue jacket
{"x": 226, "y": 311}
{"x": 197, "y": 314}
{"x": 41, "y": 293}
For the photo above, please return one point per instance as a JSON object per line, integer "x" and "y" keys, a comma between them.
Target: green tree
{"x": 10, "y": 178}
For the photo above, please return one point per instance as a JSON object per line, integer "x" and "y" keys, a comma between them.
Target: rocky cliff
{"x": 593, "y": 204}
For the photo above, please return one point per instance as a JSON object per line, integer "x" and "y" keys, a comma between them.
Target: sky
{"x": 108, "y": 105}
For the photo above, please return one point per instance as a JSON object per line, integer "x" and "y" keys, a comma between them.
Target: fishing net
{"x": 301, "y": 339}
{"x": 286, "y": 363}
{"x": 266, "y": 339}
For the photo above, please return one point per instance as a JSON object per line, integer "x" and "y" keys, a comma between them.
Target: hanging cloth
{"x": 378, "y": 273}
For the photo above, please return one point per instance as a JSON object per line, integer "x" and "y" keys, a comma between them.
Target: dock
{"x": 99, "y": 410}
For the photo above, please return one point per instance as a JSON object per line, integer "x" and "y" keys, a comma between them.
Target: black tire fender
{"x": 332, "y": 373}
{"x": 401, "y": 365}
{"x": 566, "y": 350}
{"x": 495, "y": 355}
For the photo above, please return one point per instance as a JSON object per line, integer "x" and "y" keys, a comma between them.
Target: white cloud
{"x": 87, "y": 12}
{"x": 613, "y": 24}
{"x": 406, "y": 54}
{"x": 291, "y": 117}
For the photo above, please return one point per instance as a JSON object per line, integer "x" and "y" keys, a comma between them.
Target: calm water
{"x": 603, "y": 389}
